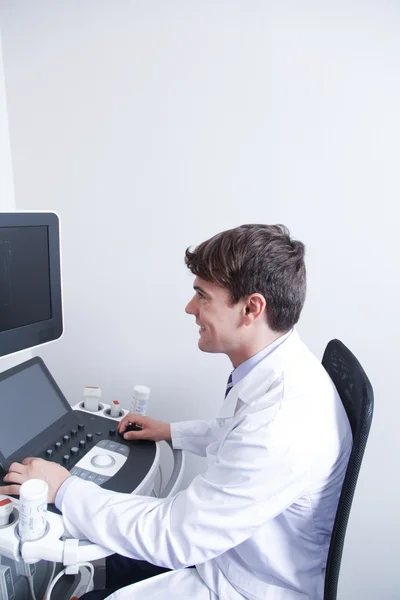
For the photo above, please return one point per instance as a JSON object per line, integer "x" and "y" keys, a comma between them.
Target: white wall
{"x": 149, "y": 126}
{"x": 7, "y": 201}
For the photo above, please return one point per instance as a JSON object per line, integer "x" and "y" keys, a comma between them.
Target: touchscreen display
{"x": 29, "y": 403}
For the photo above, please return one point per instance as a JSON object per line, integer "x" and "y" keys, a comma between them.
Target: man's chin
{"x": 204, "y": 347}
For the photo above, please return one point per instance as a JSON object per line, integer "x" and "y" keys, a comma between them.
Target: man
{"x": 258, "y": 523}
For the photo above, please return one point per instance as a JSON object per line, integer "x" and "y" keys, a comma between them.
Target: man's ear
{"x": 254, "y": 307}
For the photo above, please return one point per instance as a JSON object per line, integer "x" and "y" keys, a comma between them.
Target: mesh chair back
{"x": 356, "y": 393}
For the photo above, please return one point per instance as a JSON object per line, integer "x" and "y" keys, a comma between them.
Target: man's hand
{"x": 150, "y": 428}
{"x": 35, "y": 468}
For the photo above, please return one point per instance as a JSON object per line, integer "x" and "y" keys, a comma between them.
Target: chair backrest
{"x": 356, "y": 393}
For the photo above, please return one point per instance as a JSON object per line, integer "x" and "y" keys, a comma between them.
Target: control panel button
{"x": 76, "y": 471}
{"x": 102, "y": 444}
{"x": 89, "y": 437}
{"x": 74, "y": 432}
{"x": 99, "y": 433}
{"x": 122, "y": 449}
{"x": 82, "y": 444}
{"x": 101, "y": 479}
{"x": 111, "y": 432}
{"x": 66, "y": 438}
{"x": 103, "y": 461}
{"x": 81, "y": 426}
{"x": 57, "y": 445}
{"x": 49, "y": 453}
{"x": 66, "y": 458}
{"x": 74, "y": 451}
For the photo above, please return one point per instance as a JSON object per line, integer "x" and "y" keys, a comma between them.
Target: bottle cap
{"x": 141, "y": 392}
{"x": 92, "y": 390}
{"x": 34, "y": 489}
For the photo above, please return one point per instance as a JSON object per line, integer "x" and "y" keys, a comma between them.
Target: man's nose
{"x": 190, "y": 307}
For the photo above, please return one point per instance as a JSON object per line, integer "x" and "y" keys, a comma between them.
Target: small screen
{"x": 25, "y": 296}
{"x": 29, "y": 404}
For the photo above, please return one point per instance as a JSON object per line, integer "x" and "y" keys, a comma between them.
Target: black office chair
{"x": 356, "y": 393}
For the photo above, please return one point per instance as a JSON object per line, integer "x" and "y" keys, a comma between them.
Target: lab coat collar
{"x": 263, "y": 374}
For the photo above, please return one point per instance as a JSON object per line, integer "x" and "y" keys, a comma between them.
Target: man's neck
{"x": 247, "y": 351}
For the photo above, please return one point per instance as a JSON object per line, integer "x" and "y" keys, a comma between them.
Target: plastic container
{"x": 140, "y": 399}
{"x": 91, "y": 398}
{"x": 115, "y": 409}
{"x": 6, "y": 508}
{"x": 32, "y": 509}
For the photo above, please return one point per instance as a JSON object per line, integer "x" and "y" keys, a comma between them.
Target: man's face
{"x": 220, "y": 322}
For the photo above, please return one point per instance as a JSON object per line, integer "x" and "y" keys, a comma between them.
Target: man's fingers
{"x": 29, "y": 459}
{"x": 135, "y": 435}
{"x": 14, "y": 478}
{"x": 10, "y": 490}
{"x": 123, "y": 423}
{"x": 130, "y": 418}
{"x": 16, "y": 467}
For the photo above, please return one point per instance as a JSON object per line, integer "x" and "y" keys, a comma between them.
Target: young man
{"x": 258, "y": 523}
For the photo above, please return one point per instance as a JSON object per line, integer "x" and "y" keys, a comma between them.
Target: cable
{"x": 53, "y": 570}
{"x": 53, "y": 583}
{"x": 29, "y": 577}
{"x": 50, "y": 588}
{"x": 91, "y": 569}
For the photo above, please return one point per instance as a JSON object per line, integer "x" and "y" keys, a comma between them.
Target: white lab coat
{"x": 257, "y": 524}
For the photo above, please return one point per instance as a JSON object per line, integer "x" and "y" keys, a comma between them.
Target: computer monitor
{"x": 30, "y": 280}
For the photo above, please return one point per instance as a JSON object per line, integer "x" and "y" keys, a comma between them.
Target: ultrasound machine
{"x": 37, "y": 420}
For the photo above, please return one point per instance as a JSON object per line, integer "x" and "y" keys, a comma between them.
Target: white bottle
{"x": 141, "y": 395}
{"x": 115, "y": 409}
{"x": 32, "y": 509}
{"x": 91, "y": 398}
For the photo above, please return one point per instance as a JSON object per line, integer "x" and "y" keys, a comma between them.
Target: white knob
{"x": 103, "y": 460}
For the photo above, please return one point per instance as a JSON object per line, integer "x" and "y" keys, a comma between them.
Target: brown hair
{"x": 256, "y": 259}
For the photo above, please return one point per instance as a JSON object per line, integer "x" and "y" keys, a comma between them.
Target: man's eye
{"x": 201, "y": 296}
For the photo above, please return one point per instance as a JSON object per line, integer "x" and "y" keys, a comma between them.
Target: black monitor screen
{"x": 30, "y": 280}
{"x": 31, "y": 402}
{"x": 25, "y": 296}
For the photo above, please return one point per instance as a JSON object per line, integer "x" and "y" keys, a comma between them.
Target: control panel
{"x": 92, "y": 453}
{"x": 90, "y": 447}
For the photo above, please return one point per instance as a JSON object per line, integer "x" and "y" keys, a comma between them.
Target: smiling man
{"x": 257, "y": 524}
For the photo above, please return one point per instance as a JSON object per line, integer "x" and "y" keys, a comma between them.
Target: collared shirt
{"x": 244, "y": 368}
